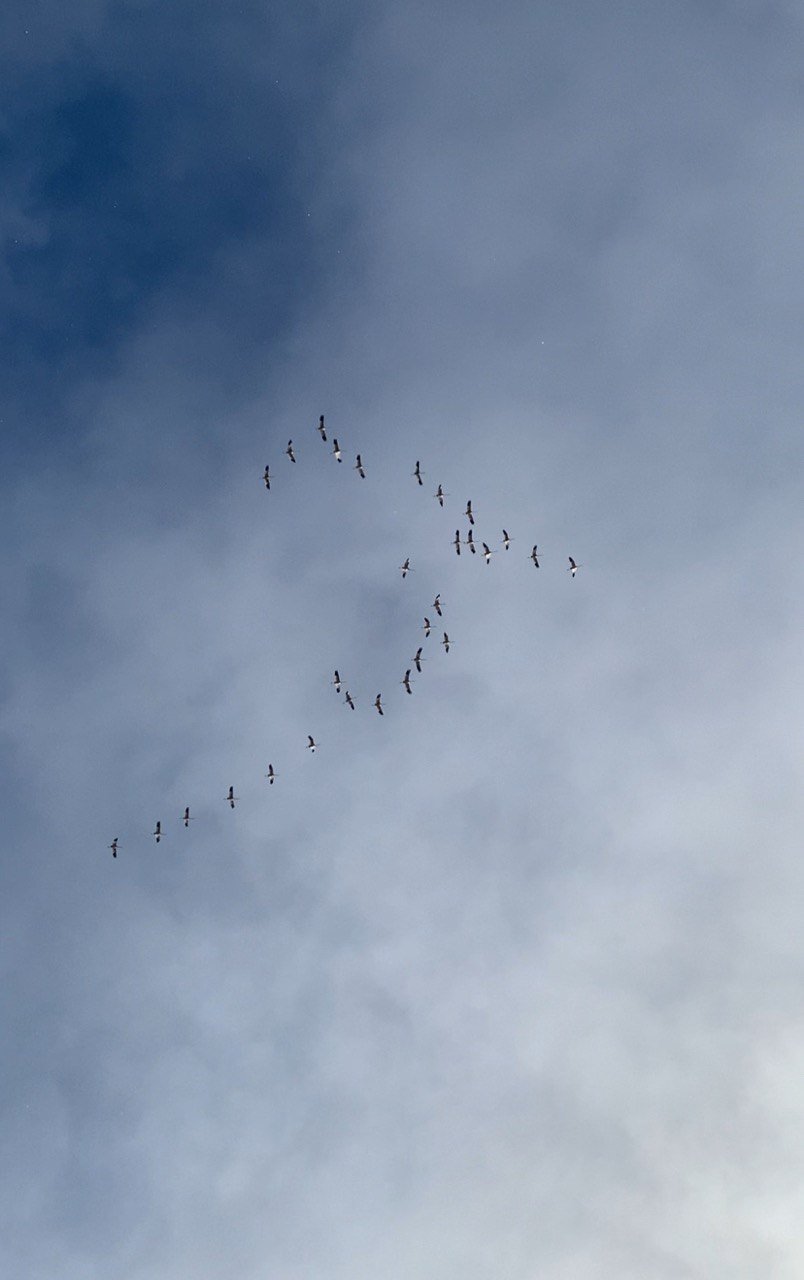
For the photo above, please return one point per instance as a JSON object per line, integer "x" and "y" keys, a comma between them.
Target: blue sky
{"x": 508, "y": 981}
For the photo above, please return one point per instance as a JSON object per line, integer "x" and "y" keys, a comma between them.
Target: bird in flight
{"x": 470, "y": 542}
{"x": 311, "y": 744}
{"x": 378, "y": 705}
{"x": 336, "y": 449}
{"x": 506, "y": 539}
{"x": 406, "y": 682}
{"x": 418, "y": 473}
{"x": 321, "y": 430}
{"x": 270, "y": 775}
{"x": 573, "y": 567}
{"x": 359, "y": 468}
{"x": 406, "y": 569}
{"x": 231, "y": 797}
{"x": 487, "y": 553}
{"x": 289, "y": 451}
{"x": 426, "y": 628}
{"x": 113, "y": 847}
{"x": 437, "y": 604}
{"x": 468, "y": 512}
{"x": 457, "y": 542}
{"x": 445, "y": 642}
{"x": 349, "y": 700}
{"x": 534, "y": 555}
{"x": 417, "y": 659}
{"x": 158, "y": 832}
{"x": 266, "y": 475}
{"x": 337, "y": 682}
{"x": 440, "y": 495}
{"x": 186, "y": 819}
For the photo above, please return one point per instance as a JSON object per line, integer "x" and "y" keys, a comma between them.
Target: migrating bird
{"x": 418, "y": 473}
{"x": 440, "y": 495}
{"x": 186, "y": 819}
{"x": 270, "y": 775}
{"x": 406, "y": 682}
{"x": 378, "y": 705}
{"x": 359, "y": 468}
{"x": 457, "y": 543}
{"x": 468, "y": 512}
{"x": 470, "y": 542}
{"x": 321, "y": 428}
{"x": 406, "y": 569}
{"x": 232, "y": 797}
{"x": 445, "y": 642}
{"x": 266, "y": 475}
{"x": 311, "y": 744}
{"x": 506, "y": 540}
{"x": 426, "y": 628}
{"x": 336, "y": 682}
{"x": 534, "y": 555}
{"x": 289, "y": 451}
{"x": 437, "y": 604}
{"x": 488, "y": 553}
{"x": 158, "y": 832}
{"x": 349, "y": 700}
{"x": 573, "y": 567}
{"x": 417, "y": 659}
{"x": 113, "y": 847}
{"x": 336, "y": 449}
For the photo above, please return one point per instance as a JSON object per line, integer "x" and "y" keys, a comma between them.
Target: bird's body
{"x": 418, "y": 473}
{"x": 573, "y": 567}
{"x": 406, "y": 569}
{"x": 158, "y": 832}
{"x": 534, "y": 555}
{"x": 266, "y": 475}
{"x": 289, "y": 451}
{"x": 426, "y": 628}
{"x": 359, "y": 468}
{"x": 231, "y": 797}
{"x": 440, "y": 495}
{"x": 470, "y": 542}
{"x": 321, "y": 429}
{"x": 417, "y": 659}
{"x": 113, "y": 847}
{"x": 445, "y": 642}
{"x": 336, "y": 451}
{"x": 311, "y": 744}
{"x": 506, "y": 539}
{"x": 270, "y": 775}
{"x": 437, "y": 604}
{"x": 468, "y": 512}
{"x": 406, "y": 682}
{"x": 487, "y": 553}
{"x": 337, "y": 682}
{"x": 378, "y": 704}
{"x": 186, "y": 819}
{"x": 457, "y": 542}
{"x": 349, "y": 700}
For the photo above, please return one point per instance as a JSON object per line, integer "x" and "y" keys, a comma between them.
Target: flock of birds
{"x": 458, "y": 542}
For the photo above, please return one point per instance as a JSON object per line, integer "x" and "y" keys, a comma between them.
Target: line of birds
{"x": 405, "y": 568}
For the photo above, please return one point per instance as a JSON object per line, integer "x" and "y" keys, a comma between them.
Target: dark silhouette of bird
{"x": 406, "y": 569}
{"x": 231, "y": 797}
{"x": 445, "y": 642}
{"x": 534, "y": 555}
{"x": 437, "y": 604}
{"x": 349, "y": 700}
{"x": 158, "y": 832}
{"x": 406, "y": 682}
{"x": 270, "y": 775}
{"x": 457, "y": 542}
{"x": 573, "y": 567}
{"x": 186, "y": 819}
{"x": 440, "y": 495}
{"x": 417, "y": 659}
{"x": 426, "y": 628}
{"x": 506, "y": 539}
{"x": 321, "y": 430}
{"x": 468, "y": 512}
{"x": 418, "y": 473}
{"x": 337, "y": 682}
{"x": 113, "y": 847}
{"x": 359, "y": 468}
{"x": 289, "y": 451}
{"x": 470, "y": 542}
{"x": 487, "y": 552}
{"x": 378, "y": 705}
{"x": 336, "y": 450}
{"x": 266, "y": 475}
{"x": 311, "y": 744}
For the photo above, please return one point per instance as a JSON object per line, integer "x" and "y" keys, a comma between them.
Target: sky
{"x": 506, "y": 982}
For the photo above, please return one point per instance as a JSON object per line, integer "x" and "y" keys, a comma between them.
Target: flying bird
{"x": 378, "y": 705}
{"x": 349, "y": 700}
{"x": 506, "y": 539}
{"x": 457, "y": 542}
{"x": 186, "y": 819}
{"x": 440, "y": 495}
{"x": 158, "y": 832}
{"x": 445, "y": 642}
{"x": 113, "y": 847}
{"x": 488, "y": 553}
{"x": 311, "y": 744}
{"x": 406, "y": 682}
{"x": 534, "y": 555}
{"x": 573, "y": 567}
{"x": 336, "y": 682}
{"x": 470, "y": 542}
{"x": 468, "y": 512}
{"x": 321, "y": 430}
{"x": 426, "y": 628}
{"x": 406, "y": 569}
{"x": 359, "y": 468}
{"x": 437, "y": 604}
{"x": 270, "y": 775}
{"x": 266, "y": 475}
{"x": 418, "y": 473}
{"x": 231, "y": 797}
{"x": 336, "y": 449}
{"x": 289, "y": 451}
{"x": 417, "y": 659}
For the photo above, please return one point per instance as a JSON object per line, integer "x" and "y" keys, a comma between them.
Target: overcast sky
{"x": 508, "y": 982}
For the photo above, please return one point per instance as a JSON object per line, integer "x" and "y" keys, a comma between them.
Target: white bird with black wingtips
{"x": 289, "y": 451}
